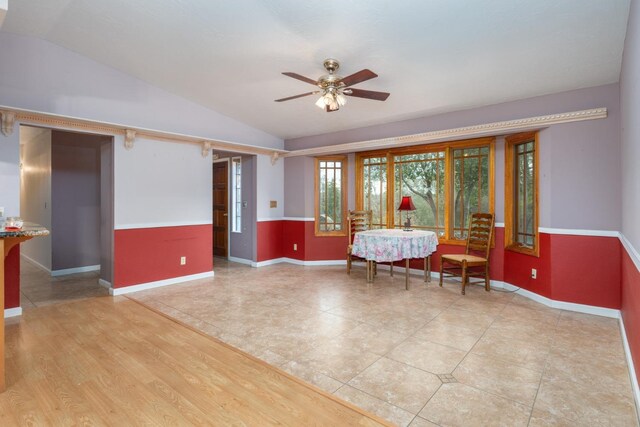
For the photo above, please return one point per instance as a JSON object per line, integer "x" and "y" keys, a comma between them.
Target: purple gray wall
{"x": 630, "y": 104}
{"x": 244, "y": 243}
{"x": 106, "y": 211}
{"x": 75, "y": 194}
{"x": 579, "y": 162}
{"x": 39, "y": 75}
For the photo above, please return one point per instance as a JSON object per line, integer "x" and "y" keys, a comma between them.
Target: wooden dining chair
{"x": 475, "y": 260}
{"x": 357, "y": 221}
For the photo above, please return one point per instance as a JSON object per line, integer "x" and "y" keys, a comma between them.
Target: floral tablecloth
{"x": 394, "y": 244}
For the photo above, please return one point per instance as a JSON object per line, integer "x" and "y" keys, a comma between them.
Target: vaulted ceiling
{"x": 433, "y": 56}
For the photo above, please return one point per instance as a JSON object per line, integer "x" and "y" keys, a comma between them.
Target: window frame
{"x": 343, "y": 190}
{"x": 448, "y": 148}
{"x": 511, "y": 142}
{"x": 236, "y": 205}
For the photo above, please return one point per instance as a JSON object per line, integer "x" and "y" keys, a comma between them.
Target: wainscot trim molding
{"x": 75, "y": 270}
{"x": 487, "y": 129}
{"x": 295, "y": 218}
{"x": 574, "y": 232}
{"x": 159, "y": 283}
{"x": 633, "y": 253}
{"x": 12, "y": 312}
{"x": 162, "y": 224}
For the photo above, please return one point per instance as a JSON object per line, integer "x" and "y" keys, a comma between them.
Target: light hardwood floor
{"x": 112, "y": 361}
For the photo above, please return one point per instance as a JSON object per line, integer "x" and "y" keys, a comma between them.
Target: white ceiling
{"x": 432, "y": 55}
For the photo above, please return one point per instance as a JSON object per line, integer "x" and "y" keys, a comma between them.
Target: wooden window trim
{"x": 510, "y": 243}
{"x": 343, "y": 191}
{"x": 448, "y": 148}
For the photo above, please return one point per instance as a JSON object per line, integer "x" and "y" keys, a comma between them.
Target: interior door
{"x": 220, "y": 206}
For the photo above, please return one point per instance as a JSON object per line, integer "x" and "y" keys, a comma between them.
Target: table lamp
{"x": 406, "y": 204}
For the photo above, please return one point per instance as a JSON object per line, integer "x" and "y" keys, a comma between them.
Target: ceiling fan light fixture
{"x": 320, "y": 102}
{"x": 342, "y": 100}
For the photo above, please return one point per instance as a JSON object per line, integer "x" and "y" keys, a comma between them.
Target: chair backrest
{"x": 480, "y": 233}
{"x": 359, "y": 221}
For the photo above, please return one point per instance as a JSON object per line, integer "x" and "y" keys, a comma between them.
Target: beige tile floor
{"x": 423, "y": 357}
{"x": 38, "y": 288}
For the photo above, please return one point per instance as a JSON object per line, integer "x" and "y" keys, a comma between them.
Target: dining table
{"x": 394, "y": 244}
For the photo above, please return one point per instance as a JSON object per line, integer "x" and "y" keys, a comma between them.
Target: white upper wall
{"x": 38, "y": 75}
{"x": 161, "y": 184}
{"x": 269, "y": 186}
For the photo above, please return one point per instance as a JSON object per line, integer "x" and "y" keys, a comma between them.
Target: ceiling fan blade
{"x": 368, "y": 94}
{"x": 299, "y": 77}
{"x": 295, "y": 96}
{"x": 360, "y": 76}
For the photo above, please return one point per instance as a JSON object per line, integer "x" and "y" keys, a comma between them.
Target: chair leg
{"x": 464, "y": 276}
{"x": 348, "y": 264}
{"x": 487, "y": 281}
{"x": 441, "y": 273}
{"x": 375, "y": 268}
{"x": 391, "y": 268}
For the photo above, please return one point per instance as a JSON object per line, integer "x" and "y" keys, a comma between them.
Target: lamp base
{"x": 407, "y": 225}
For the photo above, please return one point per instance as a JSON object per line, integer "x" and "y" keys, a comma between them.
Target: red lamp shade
{"x": 406, "y": 204}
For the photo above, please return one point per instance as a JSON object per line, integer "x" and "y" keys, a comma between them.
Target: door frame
{"x": 228, "y": 161}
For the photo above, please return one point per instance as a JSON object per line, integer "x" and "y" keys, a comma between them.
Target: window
{"x": 331, "y": 195}
{"x": 470, "y": 186}
{"x": 375, "y": 190}
{"x": 447, "y": 182}
{"x": 521, "y": 193}
{"x": 236, "y": 194}
{"x": 421, "y": 176}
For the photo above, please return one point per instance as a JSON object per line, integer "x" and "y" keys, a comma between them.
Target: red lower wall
{"x": 576, "y": 269}
{"x": 630, "y": 278}
{"x": 144, "y": 255}
{"x": 12, "y": 278}
{"x": 270, "y": 235}
{"x": 517, "y": 268}
{"x": 586, "y": 270}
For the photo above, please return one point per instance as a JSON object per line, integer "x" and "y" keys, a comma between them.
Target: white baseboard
{"x": 239, "y": 260}
{"x": 562, "y": 305}
{"x": 104, "y": 283}
{"x": 12, "y": 312}
{"x": 298, "y": 262}
{"x": 158, "y": 283}
{"x": 35, "y": 263}
{"x": 267, "y": 262}
{"x": 312, "y": 263}
{"x": 75, "y": 270}
{"x": 632, "y": 371}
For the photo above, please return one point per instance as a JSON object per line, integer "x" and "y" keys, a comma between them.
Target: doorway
{"x": 66, "y": 184}
{"x": 220, "y": 208}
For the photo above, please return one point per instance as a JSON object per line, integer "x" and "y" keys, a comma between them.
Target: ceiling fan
{"x": 333, "y": 88}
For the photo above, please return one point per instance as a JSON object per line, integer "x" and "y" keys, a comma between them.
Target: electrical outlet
{"x": 534, "y": 273}
{"x": 295, "y": 246}
{"x": 183, "y": 260}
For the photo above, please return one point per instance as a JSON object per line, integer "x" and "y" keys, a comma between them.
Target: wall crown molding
{"x": 8, "y": 120}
